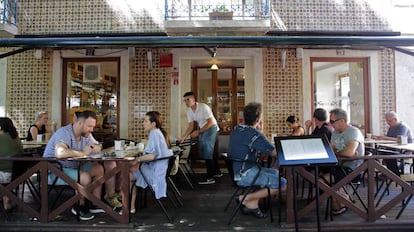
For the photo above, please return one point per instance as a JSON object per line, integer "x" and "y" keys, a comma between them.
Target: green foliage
{"x": 221, "y": 8}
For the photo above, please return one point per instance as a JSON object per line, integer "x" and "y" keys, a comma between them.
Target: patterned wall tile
{"x": 29, "y": 88}
{"x": 282, "y": 89}
{"x": 92, "y": 16}
{"x": 149, "y": 89}
{"x": 326, "y": 15}
{"x": 386, "y": 85}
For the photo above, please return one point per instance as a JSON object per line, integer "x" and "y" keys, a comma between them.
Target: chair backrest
{"x": 173, "y": 163}
{"x": 20, "y": 167}
{"x": 185, "y": 154}
{"x": 229, "y": 164}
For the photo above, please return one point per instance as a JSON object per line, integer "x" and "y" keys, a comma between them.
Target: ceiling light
{"x": 214, "y": 67}
{"x": 212, "y": 53}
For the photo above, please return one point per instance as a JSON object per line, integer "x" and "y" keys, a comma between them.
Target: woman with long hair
{"x": 39, "y": 127}
{"x": 10, "y": 145}
{"x": 158, "y": 146}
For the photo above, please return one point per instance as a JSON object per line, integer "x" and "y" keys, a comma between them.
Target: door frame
{"x": 366, "y": 82}
{"x": 373, "y": 71}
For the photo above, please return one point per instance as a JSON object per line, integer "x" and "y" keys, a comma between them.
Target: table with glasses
{"x": 44, "y": 166}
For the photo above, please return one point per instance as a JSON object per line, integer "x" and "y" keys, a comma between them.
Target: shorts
{"x": 5, "y": 177}
{"x": 340, "y": 173}
{"x": 71, "y": 172}
{"x": 268, "y": 177}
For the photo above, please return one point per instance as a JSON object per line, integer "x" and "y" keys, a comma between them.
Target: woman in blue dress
{"x": 158, "y": 146}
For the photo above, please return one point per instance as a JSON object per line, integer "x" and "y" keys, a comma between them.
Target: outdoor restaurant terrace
{"x": 375, "y": 204}
{"x": 291, "y": 56}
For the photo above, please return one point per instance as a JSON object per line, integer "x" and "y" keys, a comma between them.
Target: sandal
{"x": 339, "y": 211}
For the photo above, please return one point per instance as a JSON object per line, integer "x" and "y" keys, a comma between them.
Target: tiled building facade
{"x": 29, "y": 80}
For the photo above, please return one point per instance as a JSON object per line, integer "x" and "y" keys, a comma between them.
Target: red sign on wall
{"x": 166, "y": 60}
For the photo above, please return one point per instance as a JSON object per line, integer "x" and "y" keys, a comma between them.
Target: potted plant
{"x": 221, "y": 13}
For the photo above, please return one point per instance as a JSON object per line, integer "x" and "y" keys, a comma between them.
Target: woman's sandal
{"x": 339, "y": 211}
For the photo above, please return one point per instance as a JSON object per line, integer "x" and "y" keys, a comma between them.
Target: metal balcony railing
{"x": 8, "y": 12}
{"x": 202, "y": 9}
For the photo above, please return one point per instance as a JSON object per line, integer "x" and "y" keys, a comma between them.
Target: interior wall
{"x": 404, "y": 71}
{"x": 325, "y": 93}
{"x": 357, "y": 95}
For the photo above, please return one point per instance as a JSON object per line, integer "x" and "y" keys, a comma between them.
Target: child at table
{"x": 10, "y": 145}
{"x": 158, "y": 146}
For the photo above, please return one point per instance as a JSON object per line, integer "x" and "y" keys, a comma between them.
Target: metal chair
{"x": 245, "y": 190}
{"x": 170, "y": 185}
{"x": 184, "y": 167}
{"x": 57, "y": 185}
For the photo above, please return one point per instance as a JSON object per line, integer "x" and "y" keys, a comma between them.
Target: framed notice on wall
{"x": 304, "y": 150}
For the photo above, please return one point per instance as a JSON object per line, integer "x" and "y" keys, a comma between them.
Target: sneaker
{"x": 114, "y": 202}
{"x": 131, "y": 211}
{"x": 84, "y": 214}
{"x": 218, "y": 175}
{"x": 95, "y": 209}
{"x": 118, "y": 195}
{"x": 208, "y": 181}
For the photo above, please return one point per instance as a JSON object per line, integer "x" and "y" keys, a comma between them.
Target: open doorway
{"x": 224, "y": 91}
{"x": 93, "y": 84}
{"x": 342, "y": 83}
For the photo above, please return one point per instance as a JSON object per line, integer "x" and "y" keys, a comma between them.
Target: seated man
{"x": 246, "y": 141}
{"x": 74, "y": 140}
{"x": 396, "y": 129}
{"x": 346, "y": 141}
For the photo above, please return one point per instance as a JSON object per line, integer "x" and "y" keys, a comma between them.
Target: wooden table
{"x": 45, "y": 165}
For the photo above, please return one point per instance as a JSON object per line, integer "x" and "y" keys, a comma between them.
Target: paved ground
{"x": 202, "y": 211}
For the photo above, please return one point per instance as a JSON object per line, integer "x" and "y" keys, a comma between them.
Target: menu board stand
{"x": 311, "y": 150}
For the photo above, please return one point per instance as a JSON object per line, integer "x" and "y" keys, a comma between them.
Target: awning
{"x": 308, "y": 40}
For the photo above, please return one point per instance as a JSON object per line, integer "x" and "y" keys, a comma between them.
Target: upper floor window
{"x": 8, "y": 11}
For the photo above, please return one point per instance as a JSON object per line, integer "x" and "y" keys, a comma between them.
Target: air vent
{"x": 92, "y": 72}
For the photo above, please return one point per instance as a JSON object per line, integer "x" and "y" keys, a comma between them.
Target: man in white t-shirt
{"x": 206, "y": 132}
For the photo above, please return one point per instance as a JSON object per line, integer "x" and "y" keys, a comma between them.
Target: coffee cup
{"x": 141, "y": 146}
{"x": 47, "y": 136}
{"x": 119, "y": 145}
{"x": 402, "y": 139}
{"x": 39, "y": 138}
